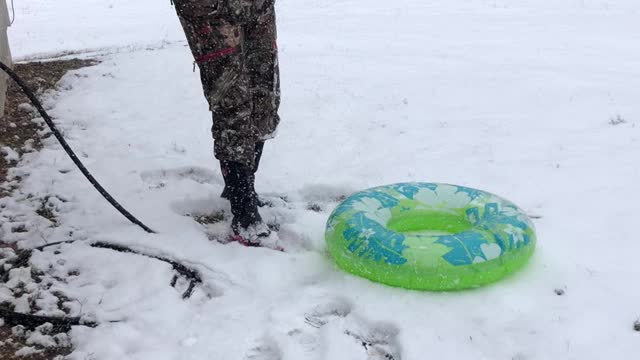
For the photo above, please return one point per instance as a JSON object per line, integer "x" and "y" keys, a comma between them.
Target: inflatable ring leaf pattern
{"x": 467, "y": 248}
{"x": 369, "y": 239}
{"x": 448, "y": 236}
{"x": 368, "y": 236}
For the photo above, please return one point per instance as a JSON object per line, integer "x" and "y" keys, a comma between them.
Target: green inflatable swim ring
{"x": 428, "y": 236}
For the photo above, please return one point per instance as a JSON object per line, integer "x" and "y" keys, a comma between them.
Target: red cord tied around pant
{"x": 216, "y": 55}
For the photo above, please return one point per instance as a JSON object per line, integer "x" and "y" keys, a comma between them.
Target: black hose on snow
{"x": 68, "y": 149}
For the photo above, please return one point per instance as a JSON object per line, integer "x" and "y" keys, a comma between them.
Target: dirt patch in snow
{"x": 19, "y": 133}
{"x": 14, "y": 344}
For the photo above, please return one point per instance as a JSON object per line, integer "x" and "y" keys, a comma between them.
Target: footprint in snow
{"x": 327, "y": 322}
{"x": 379, "y": 340}
{"x": 160, "y": 178}
{"x": 215, "y": 220}
{"x": 267, "y": 349}
{"x": 321, "y": 314}
{"x": 305, "y": 340}
{"x": 323, "y": 193}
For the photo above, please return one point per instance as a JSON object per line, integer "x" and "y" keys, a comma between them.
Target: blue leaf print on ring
{"x": 465, "y": 247}
{"x": 370, "y": 240}
{"x": 386, "y": 201}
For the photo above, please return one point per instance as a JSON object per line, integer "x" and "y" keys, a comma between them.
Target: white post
{"x": 5, "y": 52}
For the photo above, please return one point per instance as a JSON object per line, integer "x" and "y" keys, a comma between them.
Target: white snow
{"x": 9, "y": 154}
{"x": 27, "y": 351}
{"x": 25, "y": 107}
{"x": 513, "y": 97}
{"x": 44, "y": 28}
{"x": 40, "y": 339}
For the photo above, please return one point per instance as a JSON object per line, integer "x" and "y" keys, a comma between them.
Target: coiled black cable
{"x": 68, "y": 149}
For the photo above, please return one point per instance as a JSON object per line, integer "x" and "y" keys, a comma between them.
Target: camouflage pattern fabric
{"x": 234, "y": 45}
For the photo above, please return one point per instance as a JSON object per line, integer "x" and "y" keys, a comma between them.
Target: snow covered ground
{"x": 513, "y": 97}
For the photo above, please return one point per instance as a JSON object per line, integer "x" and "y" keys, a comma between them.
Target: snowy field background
{"x": 512, "y": 97}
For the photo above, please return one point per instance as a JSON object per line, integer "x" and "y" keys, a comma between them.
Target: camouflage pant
{"x": 234, "y": 44}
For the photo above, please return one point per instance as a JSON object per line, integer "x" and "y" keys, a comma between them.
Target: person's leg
{"x": 261, "y": 59}
{"x": 257, "y": 91}
{"x": 218, "y": 48}
{"x": 240, "y": 81}
{"x": 263, "y": 71}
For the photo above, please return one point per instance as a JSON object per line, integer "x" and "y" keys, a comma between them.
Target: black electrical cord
{"x": 68, "y": 149}
{"x": 65, "y": 323}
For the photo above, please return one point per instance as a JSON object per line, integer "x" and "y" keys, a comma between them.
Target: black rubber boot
{"x": 247, "y": 223}
{"x": 252, "y": 177}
